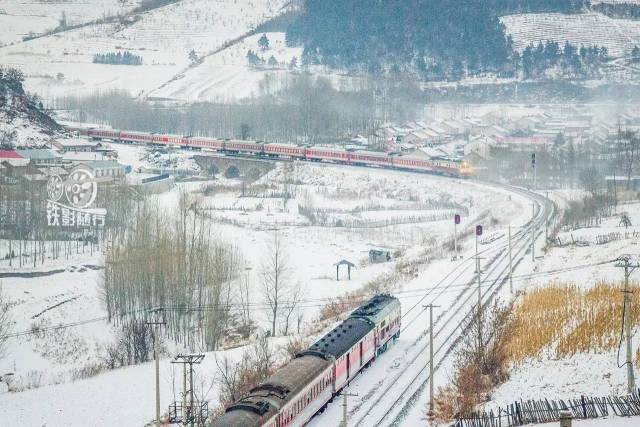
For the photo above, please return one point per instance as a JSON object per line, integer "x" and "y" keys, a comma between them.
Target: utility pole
{"x": 629, "y": 264}
{"x": 533, "y": 232}
{"x": 156, "y": 355}
{"x": 431, "y": 307}
{"x": 510, "y": 264}
{"x": 479, "y": 233}
{"x": 546, "y": 225}
{"x": 189, "y": 412}
{"x": 344, "y": 422}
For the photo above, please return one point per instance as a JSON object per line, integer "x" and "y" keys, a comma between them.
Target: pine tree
{"x": 263, "y": 42}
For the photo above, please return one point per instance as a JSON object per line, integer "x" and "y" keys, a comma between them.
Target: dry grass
{"x": 561, "y": 320}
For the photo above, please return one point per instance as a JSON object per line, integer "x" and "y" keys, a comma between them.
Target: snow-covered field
{"x": 227, "y": 75}
{"x": 50, "y": 365}
{"x": 62, "y": 63}
{"x": 582, "y": 374}
{"x": 48, "y": 358}
{"x": 19, "y": 18}
{"x": 618, "y": 35}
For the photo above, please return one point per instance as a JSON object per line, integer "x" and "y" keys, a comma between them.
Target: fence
{"x": 600, "y": 239}
{"x": 545, "y": 411}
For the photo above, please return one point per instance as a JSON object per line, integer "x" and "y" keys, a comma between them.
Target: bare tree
{"x": 628, "y": 152}
{"x": 275, "y": 275}
{"x": 244, "y": 302}
{"x": 590, "y": 180}
{"x": 5, "y": 323}
{"x": 294, "y": 296}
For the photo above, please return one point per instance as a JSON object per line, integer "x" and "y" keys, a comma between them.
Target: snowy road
{"x": 392, "y": 391}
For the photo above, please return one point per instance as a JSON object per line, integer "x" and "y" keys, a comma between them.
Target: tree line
{"x": 568, "y": 61}
{"x": 308, "y": 110}
{"x": 119, "y": 58}
{"x": 436, "y": 39}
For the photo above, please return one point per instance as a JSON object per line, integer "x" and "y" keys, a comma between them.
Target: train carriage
{"x": 288, "y": 398}
{"x": 104, "y": 134}
{"x": 284, "y": 150}
{"x": 205, "y": 143}
{"x": 137, "y": 137}
{"x": 384, "y": 312}
{"x": 371, "y": 158}
{"x": 175, "y": 140}
{"x": 238, "y": 146}
{"x": 327, "y": 154}
{"x": 299, "y": 390}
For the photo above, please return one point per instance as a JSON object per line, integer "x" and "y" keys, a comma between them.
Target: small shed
{"x": 379, "y": 255}
{"x": 349, "y": 266}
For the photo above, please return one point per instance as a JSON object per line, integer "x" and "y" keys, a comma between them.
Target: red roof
{"x": 9, "y": 154}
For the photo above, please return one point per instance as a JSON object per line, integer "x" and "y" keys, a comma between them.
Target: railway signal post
{"x": 431, "y": 406}
{"x": 456, "y": 221}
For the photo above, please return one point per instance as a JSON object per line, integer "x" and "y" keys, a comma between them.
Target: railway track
{"x": 412, "y": 377}
{"x": 407, "y": 385}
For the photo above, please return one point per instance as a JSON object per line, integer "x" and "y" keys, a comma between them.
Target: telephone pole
{"x": 533, "y": 232}
{"x": 344, "y": 422}
{"x": 629, "y": 264}
{"x": 510, "y": 264}
{"x": 431, "y": 307}
{"x": 189, "y": 412}
{"x": 156, "y": 355}
{"x": 546, "y": 226}
{"x": 479, "y": 233}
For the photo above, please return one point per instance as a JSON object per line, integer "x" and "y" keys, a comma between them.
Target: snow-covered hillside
{"x": 588, "y": 29}
{"x": 63, "y": 63}
{"x": 22, "y": 121}
{"x": 20, "y": 18}
{"x": 227, "y": 75}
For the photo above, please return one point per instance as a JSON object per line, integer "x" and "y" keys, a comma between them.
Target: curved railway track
{"x": 412, "y": 376}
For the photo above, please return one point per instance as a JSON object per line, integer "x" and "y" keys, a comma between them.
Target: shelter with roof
{"x": 349, "y": 266}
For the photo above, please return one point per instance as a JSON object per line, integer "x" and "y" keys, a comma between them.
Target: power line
{"x": 310, "y": 303}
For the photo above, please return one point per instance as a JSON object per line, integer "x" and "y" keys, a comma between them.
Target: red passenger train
{"x": 303, "y": 387}
{"x": 445, "y": 167}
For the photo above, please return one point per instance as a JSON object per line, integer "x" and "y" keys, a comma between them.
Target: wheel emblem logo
{"x": 81, "y": 188}
{"x": 55, "y": 187}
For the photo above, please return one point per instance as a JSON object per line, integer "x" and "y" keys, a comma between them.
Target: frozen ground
{"x": 19, "y": 18}
{"x": 581, "y": 374}
{"x": 74, "y": 295}
{"x": 62, "y": 63}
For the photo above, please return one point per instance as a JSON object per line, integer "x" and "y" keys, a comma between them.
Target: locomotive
{"x": 445, "y": 167}
{"x": 304, "y": 386}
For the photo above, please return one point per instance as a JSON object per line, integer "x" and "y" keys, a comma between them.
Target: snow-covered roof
{"x": 38, "y": 154}
{"x": 102, "y": 164}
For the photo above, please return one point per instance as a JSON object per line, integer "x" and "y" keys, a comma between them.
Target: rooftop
{"x": 340, "y": 339}
{"x": 38, "y": 154}
{"x": 9, "y": 154}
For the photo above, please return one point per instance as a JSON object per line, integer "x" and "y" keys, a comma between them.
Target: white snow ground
{"x": 581, "y": 374}
{"x": 313, "y": 251}
{"x": 61, "y": 64}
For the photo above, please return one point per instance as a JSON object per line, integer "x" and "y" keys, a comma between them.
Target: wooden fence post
{"x": 565, "y": 418}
